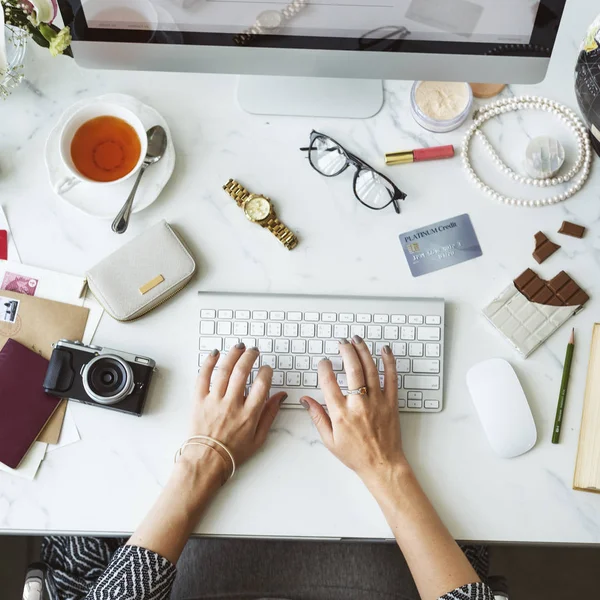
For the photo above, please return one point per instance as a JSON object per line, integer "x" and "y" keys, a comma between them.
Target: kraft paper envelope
{"x": 37, "y": 324}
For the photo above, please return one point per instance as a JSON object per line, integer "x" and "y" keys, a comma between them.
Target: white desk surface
{"x": 294, "y": 487}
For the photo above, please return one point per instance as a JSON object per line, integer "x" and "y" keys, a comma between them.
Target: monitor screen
{"x": 521, "y": 27}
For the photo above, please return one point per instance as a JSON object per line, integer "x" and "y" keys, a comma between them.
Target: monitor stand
{"x": 310, "y": 96}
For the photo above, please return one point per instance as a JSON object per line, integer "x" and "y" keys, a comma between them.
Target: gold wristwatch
{"x": 259, "y": 209}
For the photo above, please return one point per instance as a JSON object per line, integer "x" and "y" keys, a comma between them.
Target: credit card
{"x": 440, "y": 245}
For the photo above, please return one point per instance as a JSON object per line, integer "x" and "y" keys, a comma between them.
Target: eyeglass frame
{"x": 359, "y": 165}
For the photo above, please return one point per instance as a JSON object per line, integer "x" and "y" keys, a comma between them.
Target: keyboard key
{"x": 332, "y": 347}
{"x": 379, "y": 347}
{"x": 315, "y": 362}
{"x": 337, "y": 364}
{"x": 342, "y": 380}
{"x": 286, "y": 362}
{"x": 403, "y": 365}
{"x": 207, "y": 327}
{"x": 430, "y": 334}
{"x": 225, "y": 314}
{"x": 260, "y": 315}
{"x": 390, "y": 332}
{"x": 329, "y": 317}
{"x": 242, "y": 314}
{"x": 399, "y": 349}
{"x": 415, "y": 395}
{"x": 293, "y": 379}
{"x": 433, "y": 320}
{"x": 374, "y": 332}
{"x": 381, "y": 319}
{"x": 311, "y": 316}
{"x": 324, "y": 331}
{"x": 257, "y": 329}
{"x": 207, "y": 313}
{"x": 380, "y": 365}
{"x": 415, "y": 404}
{"x": 249, "y": 342}
{"x": 399, "y": 319}
{"x": 399, "y": 382}
{"x": 202, "y": 358}
{"x": 340, "y": 331}
{"x": 299, "y": 346}
{"x": 434, "y": 404}
{"x": 265, "y": 345}
{"x": 381, "y": 381}
{"x": 407, "y": 333}
{"x": 432, "y": 350}
{"x": 358, "y": 330}
{"x": 415, "y": 320}
{"x": 278, "y": 378}
{"x": 290, "y": 330}
{"x": 421, "y": 382}
{"x": 211, "y": 343}
{"x": 277, "y": 315}
{"x": 282, "y": 346}
{"x": 346, "y": 318}
{"x": 230, "y": 342}
{"x": 370, "y": 346}
{"x": 240, "y": 328}
{"x": 401, "y": 403}
{"x": 273, "y": 329}
{"x": 415, "y": 349}
{"x": 268, "y": 360}
{"x": 309, "y": 379}
{"x": 224, "y": 328}
{"x": 294, "y": 316}
{"x": 363, "y": 318}
{"x": 302, "y": 363}
{"x": 307, "y": 330}
{"x": 424, "y": 365}
{"x": 315, "y": 347}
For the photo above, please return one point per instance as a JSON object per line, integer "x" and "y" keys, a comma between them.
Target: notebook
{"x": 24, "y": 406}
{"x": 587, "y": 466}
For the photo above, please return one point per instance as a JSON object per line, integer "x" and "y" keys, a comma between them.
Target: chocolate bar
{"x": 544, "y": 248}
{"x": 572, "y": 229}
{"x": 531, "y": 309}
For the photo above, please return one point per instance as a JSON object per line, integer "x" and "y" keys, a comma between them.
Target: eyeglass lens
{"x": 329, "y": 159}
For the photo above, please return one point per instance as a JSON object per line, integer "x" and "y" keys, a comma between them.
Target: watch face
{"x": 269, "y": 19}
{"x": 257, "y": 208}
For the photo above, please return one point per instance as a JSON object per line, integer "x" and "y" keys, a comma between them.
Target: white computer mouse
{"x": 502, "y": 407}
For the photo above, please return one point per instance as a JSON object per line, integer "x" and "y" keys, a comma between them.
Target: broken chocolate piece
{"x": 568, "y": 228}
{"x": 559, "y": 291}
{"x": 544, "y": 248}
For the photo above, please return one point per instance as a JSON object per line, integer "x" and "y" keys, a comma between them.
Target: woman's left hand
{"x": 224, "y": 413}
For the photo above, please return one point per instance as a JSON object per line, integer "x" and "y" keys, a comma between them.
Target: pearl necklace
{"x": 581, "y": 167}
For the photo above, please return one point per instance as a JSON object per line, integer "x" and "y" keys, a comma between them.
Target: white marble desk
{"x": 105, "y": 483}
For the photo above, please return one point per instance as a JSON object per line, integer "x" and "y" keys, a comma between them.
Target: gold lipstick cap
{"x": 399, "y": 158}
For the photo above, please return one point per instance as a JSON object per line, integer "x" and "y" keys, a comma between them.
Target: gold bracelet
{"x": 206, "y": 438}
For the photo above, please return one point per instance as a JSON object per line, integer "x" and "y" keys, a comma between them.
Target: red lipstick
{"x": 421, "y": 154}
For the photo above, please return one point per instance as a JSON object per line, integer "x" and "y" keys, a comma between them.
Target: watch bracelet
{"x": 283, "y": 233}
{"x": 237, "y": 191}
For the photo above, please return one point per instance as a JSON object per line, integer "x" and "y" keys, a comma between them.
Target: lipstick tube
{"x": 421, "y": 154}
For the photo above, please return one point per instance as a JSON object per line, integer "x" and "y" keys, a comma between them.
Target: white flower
{"x": 42, "y": 11}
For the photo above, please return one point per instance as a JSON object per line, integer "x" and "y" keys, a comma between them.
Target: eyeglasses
{"x": 371, "y": 188}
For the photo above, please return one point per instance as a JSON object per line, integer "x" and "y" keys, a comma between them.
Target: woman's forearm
{"x": 436, "y": 562}
{"x": 192, "y": 485}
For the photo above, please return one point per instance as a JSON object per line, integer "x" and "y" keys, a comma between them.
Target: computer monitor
{"x": 319, "y": 57}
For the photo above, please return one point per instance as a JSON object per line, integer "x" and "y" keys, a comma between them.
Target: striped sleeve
{"x": 135, "y": 574}
{"x": 473, "y": 591}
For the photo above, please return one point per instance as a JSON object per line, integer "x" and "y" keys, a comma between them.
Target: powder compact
{"x": 441, "y": 106}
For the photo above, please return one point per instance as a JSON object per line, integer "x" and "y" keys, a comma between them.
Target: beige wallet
{"x": 143, "y": 274}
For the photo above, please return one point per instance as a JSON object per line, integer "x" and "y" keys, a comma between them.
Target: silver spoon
{"x": 157, "y": 146}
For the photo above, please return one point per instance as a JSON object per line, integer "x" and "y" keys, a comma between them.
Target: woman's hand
{"x": 362, "y": 431}
{"x": 224, "y": 413}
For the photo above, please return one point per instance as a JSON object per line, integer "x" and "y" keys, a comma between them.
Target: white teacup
{"x": 70, "y": 128}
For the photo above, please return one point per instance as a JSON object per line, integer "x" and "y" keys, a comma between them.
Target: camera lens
{"x": 108, "y": 379}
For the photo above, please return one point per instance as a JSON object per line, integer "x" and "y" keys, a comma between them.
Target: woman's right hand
{"x": 363, "y": 431}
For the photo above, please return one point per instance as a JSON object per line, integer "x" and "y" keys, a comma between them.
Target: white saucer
{"x": 105, "y": 201}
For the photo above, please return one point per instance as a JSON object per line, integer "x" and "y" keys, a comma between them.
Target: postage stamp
{"x": 9, "y": 308}
{"x": 19, "y": 283}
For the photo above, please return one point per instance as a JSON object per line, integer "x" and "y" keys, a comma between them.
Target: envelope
{"x": 38, "y": 323}
{"x": 52, "y": 285}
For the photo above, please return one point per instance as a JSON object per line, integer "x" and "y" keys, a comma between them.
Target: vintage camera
{"x": 99, "y": 376}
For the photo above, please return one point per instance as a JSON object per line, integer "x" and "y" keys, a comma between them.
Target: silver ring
{"x": 361, "y": 391}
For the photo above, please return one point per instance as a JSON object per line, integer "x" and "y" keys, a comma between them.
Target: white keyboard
{"x": 295, "y": 332}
